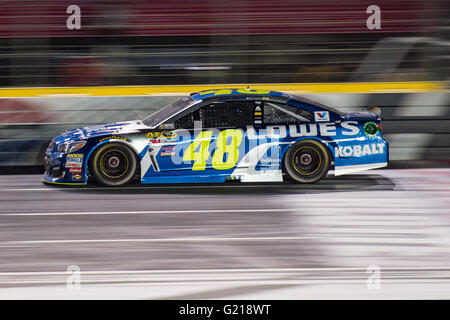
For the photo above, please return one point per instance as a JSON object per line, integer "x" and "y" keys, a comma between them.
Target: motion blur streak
{"x": 270, "y": 241}
{"x": 209, "y": 42}
{"x": 127, "y": 59}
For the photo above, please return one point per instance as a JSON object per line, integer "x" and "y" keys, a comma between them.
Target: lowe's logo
{"x": 359, "y": 150}
{"x": 321, "y": 116}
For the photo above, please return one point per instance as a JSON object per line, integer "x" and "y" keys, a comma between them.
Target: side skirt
{"x": 340, "y": 170}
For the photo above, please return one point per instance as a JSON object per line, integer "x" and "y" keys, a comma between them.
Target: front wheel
{"x": 307, "y": 161}
{"x": 113, "y": 164}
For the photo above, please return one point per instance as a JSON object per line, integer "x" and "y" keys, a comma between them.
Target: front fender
{"x": 96, "y": 146}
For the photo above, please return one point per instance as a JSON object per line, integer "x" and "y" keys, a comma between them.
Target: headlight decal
{"x": 61, "y": 147}
{"x": 69, "y": 147}
{"x": 74, "y": 146}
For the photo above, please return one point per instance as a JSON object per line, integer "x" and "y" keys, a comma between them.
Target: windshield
{"x": 168, "y": 111}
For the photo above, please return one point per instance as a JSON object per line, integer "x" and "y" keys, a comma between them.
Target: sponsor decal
{"x": 370, "y": 129}
{"x": 257, "y": 114}
{"x": 167, "y": 151}
{"x": 168, "y": 134}
{"x": 254, "y": 91}
{"x": 76, "y": 176}
{"x": 113, "y": 137}
{"x": 154, "y": 134}
{"x": 233, "y": 91}
{"x": 321, "y": 116}
{"x": 74, "y": 164}
{"x": 167, "y": 126}
{"x": 74, "y": 160}
{"x": 75, "y": 170}
{"x": 351, "y": 128}
{"x": 330, "y": 129}
{"x": 269, "y": 161}
{"x": 155, "y": 140}
{"x": 359, "y": 150}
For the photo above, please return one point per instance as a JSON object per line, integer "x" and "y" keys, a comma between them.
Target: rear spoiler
{"x": 375, "y": 110}
{"x": 372, "y": 114}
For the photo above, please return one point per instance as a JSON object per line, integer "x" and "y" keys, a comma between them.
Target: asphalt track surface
{"x": 229, "y": 241}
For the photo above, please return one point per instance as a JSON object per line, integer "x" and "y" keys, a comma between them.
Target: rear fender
{"x": 367, "y": 150}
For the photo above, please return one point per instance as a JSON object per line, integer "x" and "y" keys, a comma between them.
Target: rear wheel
{"x": 113, "y": 164}
{"x": 307, "y": 161}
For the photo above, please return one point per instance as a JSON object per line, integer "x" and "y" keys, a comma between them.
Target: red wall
{"x": 184, "y": 17}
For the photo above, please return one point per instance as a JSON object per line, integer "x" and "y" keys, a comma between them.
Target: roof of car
{"x": 259, "y": 92}
{"x": 243, "y": 91}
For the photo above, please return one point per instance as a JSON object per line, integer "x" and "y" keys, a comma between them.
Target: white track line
{"x": 234, "y": 270}
{"x": 175, "y": 186}
{"x": 157, "y": 240}
{"x": 144, "y": 212}
{"x": 380, "y": 241}
{"x": 238, "y": 282}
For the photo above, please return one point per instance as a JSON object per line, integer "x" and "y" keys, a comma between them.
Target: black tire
{"x": 40, "y": 158}
{"x": 307, "y": 161}
{"x": 113, "y": 164}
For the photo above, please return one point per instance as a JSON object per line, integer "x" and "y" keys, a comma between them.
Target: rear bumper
{"x": 355, "y": 156}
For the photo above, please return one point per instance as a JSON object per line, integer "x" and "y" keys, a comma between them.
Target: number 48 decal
{"x": 225, "y": 148}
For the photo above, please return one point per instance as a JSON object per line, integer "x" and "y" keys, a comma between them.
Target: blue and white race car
{"x": 219, "y": 135}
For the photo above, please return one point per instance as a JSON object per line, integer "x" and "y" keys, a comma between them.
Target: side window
{"x": 240, "y": 113}
{"x": 214, "y": 115}
{"x": 187, "y": 121}
{"x": 279, "y": 113}
{"x": 219, "y": 114}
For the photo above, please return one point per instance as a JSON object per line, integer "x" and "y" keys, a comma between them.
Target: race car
{"x": 248, "y": 135}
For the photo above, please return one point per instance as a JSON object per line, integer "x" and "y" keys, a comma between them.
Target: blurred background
{"x": 256, "y": 241}
{"x": 207, "y": 42}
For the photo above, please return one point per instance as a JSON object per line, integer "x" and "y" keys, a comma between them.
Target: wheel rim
{"x": 306, "y": 160}
{"x": 114, "y": 164}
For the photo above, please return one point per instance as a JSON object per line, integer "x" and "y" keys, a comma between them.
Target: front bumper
{"x": 57, "y": 170}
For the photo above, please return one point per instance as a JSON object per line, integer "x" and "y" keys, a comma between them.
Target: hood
{"x": 100, "y": 130}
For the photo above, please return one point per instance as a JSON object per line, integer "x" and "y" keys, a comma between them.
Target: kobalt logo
{"x": 359, "y": 150}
